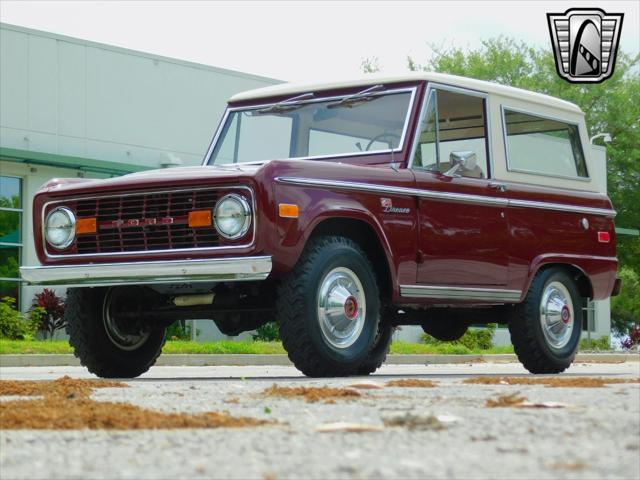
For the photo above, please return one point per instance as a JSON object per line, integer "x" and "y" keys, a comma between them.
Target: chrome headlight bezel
{"x": 71, "y": 228}
{"x": 244, "y": 220}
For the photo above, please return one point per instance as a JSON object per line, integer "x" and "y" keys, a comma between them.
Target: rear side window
{"x": 542, "y": 145}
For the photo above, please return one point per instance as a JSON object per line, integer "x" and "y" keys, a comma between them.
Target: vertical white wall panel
{"x": 43, "y": 84}
{"x": 72, "y": 89}
{"x": 14, "y": 68}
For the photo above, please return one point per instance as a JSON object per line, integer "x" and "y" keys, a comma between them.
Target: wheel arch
{"x": 367, "y": 236}
{"x": 580, "y": 277}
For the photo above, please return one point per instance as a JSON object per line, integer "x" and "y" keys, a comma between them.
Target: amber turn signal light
{"x": 288, "y": 210}
{"x": 200, "y": 218}
{"x": 86, "y": 225}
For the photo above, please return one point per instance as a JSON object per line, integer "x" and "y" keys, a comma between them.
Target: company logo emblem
{"x": 144, "y": 222}
{"x": 585, "y": 43}
{"x": 387, "y": 207}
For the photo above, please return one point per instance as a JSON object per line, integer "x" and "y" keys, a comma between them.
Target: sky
{"x": 304, "y": 41}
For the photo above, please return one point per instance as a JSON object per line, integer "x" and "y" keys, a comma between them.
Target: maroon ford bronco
{"x": 341, "y": 211}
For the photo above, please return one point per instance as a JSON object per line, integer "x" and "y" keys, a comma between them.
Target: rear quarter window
{"x": 541, "y": 145}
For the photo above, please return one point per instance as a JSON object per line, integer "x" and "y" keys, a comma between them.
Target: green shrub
{"x": 49, "y": 310}
{"x": 602, "y": 343}
{"x": 474, "y": 339}
{"x": 268, "y": 332}
{"x": 179, "y": 330}
{"x": 13, "y": 325}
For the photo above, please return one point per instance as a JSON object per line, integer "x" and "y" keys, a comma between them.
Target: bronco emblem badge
{"x": 585, "y": 43}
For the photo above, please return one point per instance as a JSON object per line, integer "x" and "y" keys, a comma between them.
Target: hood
{"x": 155, "y": 178}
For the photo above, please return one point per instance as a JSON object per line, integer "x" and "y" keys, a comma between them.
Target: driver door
{"x": 463, "y": 230}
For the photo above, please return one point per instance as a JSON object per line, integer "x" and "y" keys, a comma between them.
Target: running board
{"x": 460, "y": 293}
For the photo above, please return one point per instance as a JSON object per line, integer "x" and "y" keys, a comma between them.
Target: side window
{"x": 541, "y": 145}
{"x": 454, "y": 125}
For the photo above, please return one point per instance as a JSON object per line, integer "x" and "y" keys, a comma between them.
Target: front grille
{"x": 146, "y": 221}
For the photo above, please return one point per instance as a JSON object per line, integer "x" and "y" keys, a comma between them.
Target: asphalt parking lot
{"x": 449, "y": 430}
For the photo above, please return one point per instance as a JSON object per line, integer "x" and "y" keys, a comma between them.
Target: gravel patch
{"x": 444, "y": 431}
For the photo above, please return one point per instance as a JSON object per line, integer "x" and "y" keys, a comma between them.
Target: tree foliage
{"x": 612, "y": 106}
{"x": 625, "y": 308}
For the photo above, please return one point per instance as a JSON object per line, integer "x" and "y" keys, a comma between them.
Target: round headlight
{"x": 232, "y": 216}
{"x": 60, "y": 228}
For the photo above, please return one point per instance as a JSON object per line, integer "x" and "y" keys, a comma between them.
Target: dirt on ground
{"x": 65, "y": 404}
{"x": 411, "y": 383}
{"x": 572, "y": 382}
{"x": 63, "y": 386}
{"x": 312, "y": 394}
{"x": 512, "y": 400}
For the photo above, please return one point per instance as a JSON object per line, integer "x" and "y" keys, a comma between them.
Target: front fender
{"x": 395, "y": 233}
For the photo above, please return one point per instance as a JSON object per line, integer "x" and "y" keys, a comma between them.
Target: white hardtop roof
{"x": 452, "y": 80}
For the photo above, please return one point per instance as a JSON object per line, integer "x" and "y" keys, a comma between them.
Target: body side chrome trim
{"x": 414, "y": 192}
{"x": 142, "y": 252}
{"x": 446, "y": 196}
{"x": 398, "y": 149}
{"x": 562, "y": 207}
{"x": 459, "y": 293}
{"x": 149, "y": 273}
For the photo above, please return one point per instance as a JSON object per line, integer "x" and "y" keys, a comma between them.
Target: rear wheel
{"x": 545, "y": 329}
{"x": 328, "y": 309}
{"x": 106, "y": 337}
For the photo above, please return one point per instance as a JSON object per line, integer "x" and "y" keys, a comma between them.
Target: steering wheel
{"x": 386, "y": 137}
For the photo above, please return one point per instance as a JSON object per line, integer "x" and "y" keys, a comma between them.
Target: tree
{"x": 625, "y": 308}
{"x": 612, "y": 106}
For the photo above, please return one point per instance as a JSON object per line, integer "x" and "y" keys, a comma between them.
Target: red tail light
{"x": 604, "y": 237}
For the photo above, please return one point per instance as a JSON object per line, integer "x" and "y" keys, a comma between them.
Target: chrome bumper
{"x": 148, "y": 273}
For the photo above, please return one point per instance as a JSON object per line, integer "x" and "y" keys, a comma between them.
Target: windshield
{"x": 361, "y": 124}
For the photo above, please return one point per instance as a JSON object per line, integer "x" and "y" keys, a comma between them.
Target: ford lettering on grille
{"x": 147, "y": 221}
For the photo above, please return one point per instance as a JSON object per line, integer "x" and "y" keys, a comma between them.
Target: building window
{"x": 10, "y": 236}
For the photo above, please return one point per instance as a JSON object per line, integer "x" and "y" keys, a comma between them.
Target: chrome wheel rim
{"x": 557, "y": 315}
{"x": 121, "y": 338}
{"x": 342, "y": 307}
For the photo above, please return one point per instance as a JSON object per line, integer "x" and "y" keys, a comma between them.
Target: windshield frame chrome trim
{"x": 412, "y": 90}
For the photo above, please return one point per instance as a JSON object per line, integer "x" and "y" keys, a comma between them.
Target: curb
{"x": 234, "y": 360}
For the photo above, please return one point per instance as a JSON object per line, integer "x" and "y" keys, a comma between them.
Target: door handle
{"x": 501, "y": 187}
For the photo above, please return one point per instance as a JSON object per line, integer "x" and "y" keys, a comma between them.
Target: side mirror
{"x": 465, "y": 160}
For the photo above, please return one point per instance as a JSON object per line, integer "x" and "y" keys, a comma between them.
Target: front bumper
{"x": 149, "y": 273}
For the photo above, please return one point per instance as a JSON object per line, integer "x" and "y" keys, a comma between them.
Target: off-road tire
{"x": 380, "y": 350}
{"x": 296, "y": 308}
{"x": 91, "y": 344}
{"x": 527, "y": 337}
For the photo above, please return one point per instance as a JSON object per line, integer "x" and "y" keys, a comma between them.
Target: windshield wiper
{"x": 286, "y": 105}
{"x": 356, "y": 98}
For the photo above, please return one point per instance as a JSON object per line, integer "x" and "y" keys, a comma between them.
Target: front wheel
{"x": 328, "y": 309}
{"x": 545, "y": 329}
{"x": 107, "y": 335}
